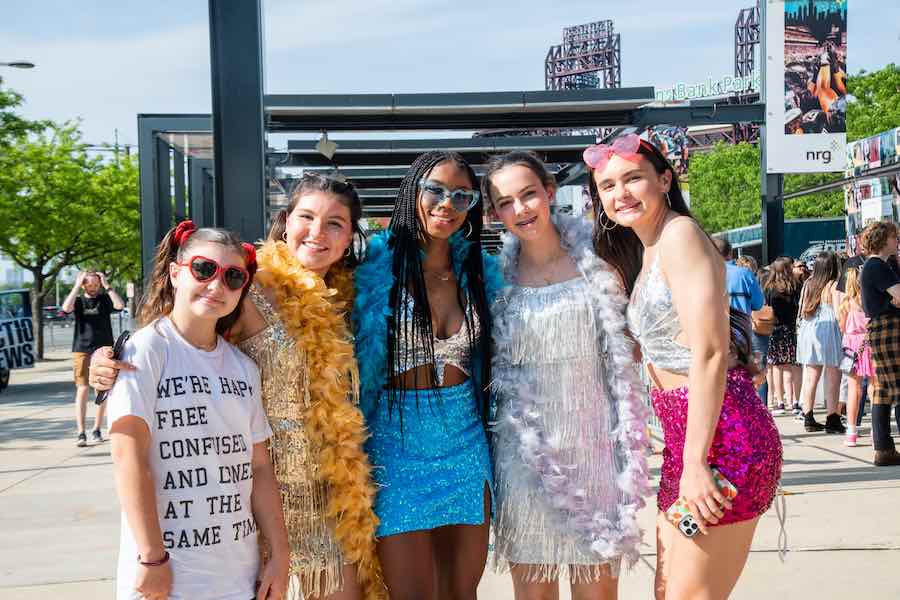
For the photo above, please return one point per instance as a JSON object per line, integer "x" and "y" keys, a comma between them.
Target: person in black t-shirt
{"x": 880, "y": 287}
{"x": 93, "y": 329}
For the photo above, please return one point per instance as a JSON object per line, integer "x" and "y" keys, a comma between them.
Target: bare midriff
{"x": 420, "y": 378}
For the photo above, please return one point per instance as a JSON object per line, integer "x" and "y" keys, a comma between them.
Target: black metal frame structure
{"x": 228, "y": 187}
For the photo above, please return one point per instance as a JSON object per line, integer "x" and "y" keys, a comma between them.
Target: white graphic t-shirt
{"x": 204, "y": 413}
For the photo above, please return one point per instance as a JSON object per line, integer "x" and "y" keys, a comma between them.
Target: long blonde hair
{"x": 852, "y": 296}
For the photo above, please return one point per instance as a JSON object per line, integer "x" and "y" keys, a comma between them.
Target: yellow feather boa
{"x": 313, "y": 311}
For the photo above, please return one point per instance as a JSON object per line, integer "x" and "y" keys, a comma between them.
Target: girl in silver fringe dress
{"x": 570, "y": 427}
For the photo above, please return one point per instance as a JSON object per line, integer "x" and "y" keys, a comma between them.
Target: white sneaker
{"x": 778, "y": 410}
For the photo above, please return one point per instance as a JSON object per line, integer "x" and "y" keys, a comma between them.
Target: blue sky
{"x": 106, "y": 61}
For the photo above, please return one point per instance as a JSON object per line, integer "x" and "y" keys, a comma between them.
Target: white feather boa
{"x": 610, "y": 536}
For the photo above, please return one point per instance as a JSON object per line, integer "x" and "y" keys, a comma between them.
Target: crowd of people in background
{"x": 834, "y": 324}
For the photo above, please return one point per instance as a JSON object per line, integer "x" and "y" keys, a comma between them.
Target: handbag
{"x": 848, "y": 360}
{"x": 763, "y": 320}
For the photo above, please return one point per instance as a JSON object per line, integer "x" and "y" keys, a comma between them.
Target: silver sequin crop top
{"x": 453, "y": 350}
{"x": 654, "y": 322}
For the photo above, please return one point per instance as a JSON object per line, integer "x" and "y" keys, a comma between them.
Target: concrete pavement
{"x": 60, "y": 517}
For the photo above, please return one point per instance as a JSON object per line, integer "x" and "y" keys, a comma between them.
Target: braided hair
{"x": 408, "y": 236}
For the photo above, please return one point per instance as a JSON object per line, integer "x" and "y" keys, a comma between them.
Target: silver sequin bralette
{"x": 453, "y": 350}
{"x": 654, "y": 322}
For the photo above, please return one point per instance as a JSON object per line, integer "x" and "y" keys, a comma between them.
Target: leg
{"x": 407, "y": 563}
{"x": 706, "y": 567}
{"x": 778, "y": 380}
{"x": 80, "y": 361}
{"x": 460, "y": 553}
{"x": 811, "y": 374}
{"x": 350, "y": 588}
{"x": 832, "y": 389}
{"x": 606, "y": 588}
{"x": 524, "y": 589}
{"x": 796, "y": 378}
{"x": 864, "y": 394}
{"x": 81, "y": 399}
{"x": 854, "y": 394}
{"x": 98, "y": 419}
{"x": 881, "y": 428}
{"x": 771, "y": 399}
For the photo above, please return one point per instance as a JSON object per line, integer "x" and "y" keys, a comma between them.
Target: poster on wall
{"x": 673, "y": 143}
{"x": 806, "y": 93}
{"x": 16, "y": 343}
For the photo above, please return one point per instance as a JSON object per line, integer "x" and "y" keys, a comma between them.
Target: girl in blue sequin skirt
{"x": 422, "y": 324}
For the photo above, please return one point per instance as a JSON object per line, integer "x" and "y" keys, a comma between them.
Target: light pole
{"x": 18, "y": 64}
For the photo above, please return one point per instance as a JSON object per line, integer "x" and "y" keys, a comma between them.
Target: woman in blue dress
{"x": 422, "y": 323}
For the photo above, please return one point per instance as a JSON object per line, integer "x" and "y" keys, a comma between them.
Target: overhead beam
{"x": 557, "y": 149}
{"x": 461, "y": 111}
{"x": 701, "y": 113}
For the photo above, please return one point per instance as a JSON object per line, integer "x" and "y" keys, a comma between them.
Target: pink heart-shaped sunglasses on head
{"x": 626, "y": 146}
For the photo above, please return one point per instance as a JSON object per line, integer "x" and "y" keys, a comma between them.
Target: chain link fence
{"x": 58, "y": 334}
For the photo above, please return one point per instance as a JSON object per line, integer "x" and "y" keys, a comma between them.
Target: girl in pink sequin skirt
{"x": 699, "y": 358}
{"x": 746, "y": 447}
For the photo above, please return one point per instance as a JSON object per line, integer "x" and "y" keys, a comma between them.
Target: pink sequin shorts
{"x": 746, "y": 447}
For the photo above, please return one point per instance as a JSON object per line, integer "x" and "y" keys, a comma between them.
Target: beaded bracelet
{"x": 154, "y": 563}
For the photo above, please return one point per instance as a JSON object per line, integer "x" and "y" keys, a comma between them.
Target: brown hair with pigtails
{"x": 159, "y": 299}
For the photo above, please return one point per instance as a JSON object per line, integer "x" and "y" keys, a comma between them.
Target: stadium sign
{"x": 724, "y": 86}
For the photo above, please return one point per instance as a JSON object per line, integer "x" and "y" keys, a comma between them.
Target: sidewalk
{"x": 60, "y": 516}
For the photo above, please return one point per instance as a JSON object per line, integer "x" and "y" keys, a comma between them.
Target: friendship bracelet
{"x": 154, "y": 563}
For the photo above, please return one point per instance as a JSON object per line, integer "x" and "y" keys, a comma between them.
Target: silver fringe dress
{"x": 570, "y": 427}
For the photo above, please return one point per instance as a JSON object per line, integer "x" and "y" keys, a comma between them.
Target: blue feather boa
{"x": 371, "y": 307}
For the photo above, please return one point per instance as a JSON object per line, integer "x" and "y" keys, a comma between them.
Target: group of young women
{"x": 489, "y": 392}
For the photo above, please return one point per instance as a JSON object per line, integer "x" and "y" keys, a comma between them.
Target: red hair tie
{"x": 184, "y": 231}
{"x": 250, "y": 251}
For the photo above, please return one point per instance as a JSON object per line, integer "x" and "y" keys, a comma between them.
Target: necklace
{"x": 541, "y": 272}
{"x": 443, "y": 276}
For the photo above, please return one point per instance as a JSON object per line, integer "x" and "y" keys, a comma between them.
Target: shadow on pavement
{"x": 39, "y": 393}
{"x": 28, "y": 429}
{"x": 841, "y": 475}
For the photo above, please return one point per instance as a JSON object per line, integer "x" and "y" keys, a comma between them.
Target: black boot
{"x": 810, "y": 423}
{"x": 887, "y": 458}
{"x": 833, "y": 424}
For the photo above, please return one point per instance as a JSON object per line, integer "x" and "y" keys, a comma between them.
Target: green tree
{"x": 877, "y": 105}
{"x": 725, "y": 189}
{"x": 59, "y": 207}
{"x": 13, "y": 125}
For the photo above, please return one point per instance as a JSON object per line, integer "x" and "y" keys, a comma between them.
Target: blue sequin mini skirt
{"x": 434, "y": 473}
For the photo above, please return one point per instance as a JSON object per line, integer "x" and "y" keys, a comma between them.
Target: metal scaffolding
{"x": 589, "y": 57}
{"x": 746, "y": 43}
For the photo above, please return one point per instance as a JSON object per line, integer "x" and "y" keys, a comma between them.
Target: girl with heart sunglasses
{"x": 184, "y": 369}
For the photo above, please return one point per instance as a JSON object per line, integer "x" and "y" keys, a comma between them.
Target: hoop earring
{"x": 603, "y": 225}
{"x": 471, "y": 229}
{"x": 284, "y": 236}
{"x": 668, "y": 200}
{"x": 348, "y": 251}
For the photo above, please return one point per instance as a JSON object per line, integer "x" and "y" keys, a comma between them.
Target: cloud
{"x": 107, "y": 81}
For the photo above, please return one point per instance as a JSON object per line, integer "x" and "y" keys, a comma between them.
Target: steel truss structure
{"x": 746, "y": 41}
{"x": 589, "y": 57}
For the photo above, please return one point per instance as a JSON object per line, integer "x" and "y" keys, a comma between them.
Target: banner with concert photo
{"x": 806, "y": 85}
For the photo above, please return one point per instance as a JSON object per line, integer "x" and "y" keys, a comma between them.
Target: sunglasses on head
{"x": 205, "y": 269}
{"x": 433, "y": 194}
